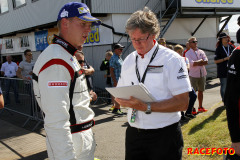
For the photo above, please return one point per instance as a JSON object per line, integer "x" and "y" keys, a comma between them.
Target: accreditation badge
{"x": 155, "y": 69}
{"x": 133, "y": 115}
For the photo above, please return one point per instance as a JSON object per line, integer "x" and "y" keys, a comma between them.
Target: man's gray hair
{"x": 145, "y": 20}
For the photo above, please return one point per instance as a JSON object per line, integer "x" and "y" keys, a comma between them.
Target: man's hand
{"x": 132, "y": 103}
{"x": 93, "y": 96}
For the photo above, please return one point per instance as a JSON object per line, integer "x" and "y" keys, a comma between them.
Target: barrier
{"x": 19, "y": 98}
{"x": 22, "y": 99}
{"x": 102, "y": 93}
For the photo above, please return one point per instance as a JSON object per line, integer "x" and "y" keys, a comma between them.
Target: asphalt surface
{"x": 17, "y": 142}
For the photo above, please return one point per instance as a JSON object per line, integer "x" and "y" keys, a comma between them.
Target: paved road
{"x": 21, "y": 143}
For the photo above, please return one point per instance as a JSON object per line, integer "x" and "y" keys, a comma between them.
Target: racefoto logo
{"x": 210, "y": 151}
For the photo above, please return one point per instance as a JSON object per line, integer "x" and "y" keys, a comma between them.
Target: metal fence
{"x": 99, "y": 84}
{"x": 19, "y": 98}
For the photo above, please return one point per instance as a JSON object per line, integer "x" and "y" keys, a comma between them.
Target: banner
{"x": 41, "y": 40}
{"x": 93, "y": 36}
{"x": 51, "y": 33}
{"x": 211, "y": 3}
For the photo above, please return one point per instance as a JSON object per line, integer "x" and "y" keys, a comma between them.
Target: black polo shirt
{"x": 220, "y": 54}
{"x": 232, "y": 96}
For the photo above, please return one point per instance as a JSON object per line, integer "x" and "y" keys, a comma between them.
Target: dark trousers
{"x": 11, "y": 83}
{"x": 192, "y": 99}
{"x": 154, "y": 144}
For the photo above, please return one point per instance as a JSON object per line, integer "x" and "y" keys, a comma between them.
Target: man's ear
{"x": 64, "y": 23}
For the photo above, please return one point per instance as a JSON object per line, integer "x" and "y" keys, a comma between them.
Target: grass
{"x": 208, "y": 130}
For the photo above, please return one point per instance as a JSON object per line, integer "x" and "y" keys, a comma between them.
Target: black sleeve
{"x": 104, "y": 66}
{"x": 218, "y": 53}
{"x": 232, "y": 96}
{"x": 238, "y": 36}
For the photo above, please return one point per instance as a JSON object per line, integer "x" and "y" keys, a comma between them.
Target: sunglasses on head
{"x": 194, "y": 42}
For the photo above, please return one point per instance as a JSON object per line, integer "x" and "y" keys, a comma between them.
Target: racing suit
{"x": 61, "y": 91}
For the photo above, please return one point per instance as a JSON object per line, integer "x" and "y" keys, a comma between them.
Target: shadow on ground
{"x": 213, "y": 117}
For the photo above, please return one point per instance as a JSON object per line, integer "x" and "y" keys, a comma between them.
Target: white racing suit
{"x": 61, "y": 91}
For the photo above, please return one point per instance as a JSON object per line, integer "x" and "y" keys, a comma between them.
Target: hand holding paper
{"x": 138, "y": 91}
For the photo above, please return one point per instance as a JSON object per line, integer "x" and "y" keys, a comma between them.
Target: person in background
{"x": 238, "y": 32}
{"x": 170, "y": 46}
{"x": 88, "y": 71}
{"x": 61, "y": 89}
{"x": 1, "y": 99}
{"x": 192, "y": 95}
{"x": 232, "y": 101}
{"x": 115, "y": 64}
{"x": 232, "y": 43}
{"x": 197, "y": 70}
{"x": 105, "y": 67}
{"x": 9, "y": 70}
{"x": 154, "y": 131}
{"x": 25, "y": 67}
{"x": 162, "y": 42}
{"x": 222, "y": 55}
{"x": 187, "y": 48}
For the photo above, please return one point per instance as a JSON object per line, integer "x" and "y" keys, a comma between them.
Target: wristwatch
{"x": 148, "y": 111}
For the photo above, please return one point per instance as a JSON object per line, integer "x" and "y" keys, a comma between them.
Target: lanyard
{"x": 134, "y": 111}
{"x": 227, "y": 53}
{"x": 144, "y": 75}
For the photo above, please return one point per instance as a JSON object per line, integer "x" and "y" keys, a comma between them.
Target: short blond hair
{"x": 189, "y": 39}
{"x": 177, "y": 47}
{"x": 109, "y": 53}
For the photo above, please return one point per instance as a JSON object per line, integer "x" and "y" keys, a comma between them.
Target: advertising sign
{"x": 41, "y": 40}
{"x": 51, "y": 33}
{"x": 93, "y": 36}
{"x": 211, "y": 3}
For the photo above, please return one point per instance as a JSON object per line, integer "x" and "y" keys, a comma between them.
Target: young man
{"x": 25, "y": 67}
{"x": 197, "y": 71}
{"x": 154, "y": 131}
{"x": 61, "y": 89}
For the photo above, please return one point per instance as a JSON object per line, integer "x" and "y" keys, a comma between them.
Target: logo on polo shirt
{"x": 53, "y": 84}
{"x": 232, "y": 66}
{"x": 182, "y": 76}
{"x": 181, "y": 70}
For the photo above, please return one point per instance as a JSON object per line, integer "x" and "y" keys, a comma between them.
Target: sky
{"x": 232, "y": 24}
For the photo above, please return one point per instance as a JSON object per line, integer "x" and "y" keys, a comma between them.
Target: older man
{"x": 115, "y": 64}
{"x": 61, "y": 89}
{"x": 154, "y": 131}
{"x": 197, "y": 71}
